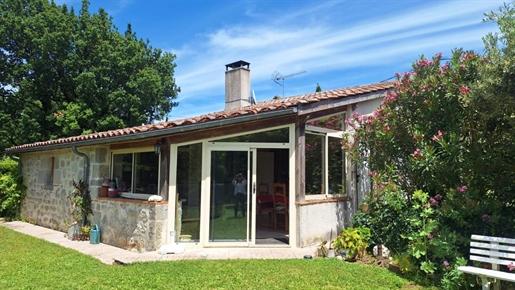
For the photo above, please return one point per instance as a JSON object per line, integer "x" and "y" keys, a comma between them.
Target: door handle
{"x": 253, "y": 187}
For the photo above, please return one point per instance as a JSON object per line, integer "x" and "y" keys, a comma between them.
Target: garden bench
{"x": 496, "y": 251}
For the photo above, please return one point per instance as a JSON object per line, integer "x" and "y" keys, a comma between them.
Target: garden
{"x": 441, "y": 154}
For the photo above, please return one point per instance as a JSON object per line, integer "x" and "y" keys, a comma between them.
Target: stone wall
{"x": 124, "y": 223}
{"x": 130, "y": 224}
{"x": 49, "y": 177}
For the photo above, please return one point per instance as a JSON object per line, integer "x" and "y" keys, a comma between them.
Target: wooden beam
{"x": 300, "y": 158}
{"x": 164, "y": 165}
{"x": 305, "y": 109}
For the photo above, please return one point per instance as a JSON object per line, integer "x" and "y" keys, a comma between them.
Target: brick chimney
{"x": 237, "y": 85}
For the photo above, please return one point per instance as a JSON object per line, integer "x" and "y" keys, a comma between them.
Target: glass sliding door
{"x": 231, "y": 190}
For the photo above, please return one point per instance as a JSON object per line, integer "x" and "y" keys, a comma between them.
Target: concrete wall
{"x": 316, "y": 220}
{"x": 130, "y": 224}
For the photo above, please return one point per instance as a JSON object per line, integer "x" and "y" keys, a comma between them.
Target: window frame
{"x": 328, "y": 133}
{"x": 133, "y": 151}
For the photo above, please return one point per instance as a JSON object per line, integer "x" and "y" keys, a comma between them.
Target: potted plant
{"x": 353, "y": 242}
{"x": 80, "y": 207}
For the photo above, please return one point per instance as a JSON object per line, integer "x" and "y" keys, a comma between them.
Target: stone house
{"x": 283, "y": 144}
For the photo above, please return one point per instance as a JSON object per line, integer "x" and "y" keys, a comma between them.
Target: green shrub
{"x": 12, "y": 190}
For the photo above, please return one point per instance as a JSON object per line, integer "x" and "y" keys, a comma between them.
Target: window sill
{"x": 130, "y": 200}
{"x": 324, "y": 200}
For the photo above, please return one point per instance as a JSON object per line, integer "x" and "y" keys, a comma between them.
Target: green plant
{"x": 353, "y": 241}
{"x": 80, "y": 203}
{"x": 12, "y": 190}
{"x": 322, "y": 250}
{"x": 84, "y": 233}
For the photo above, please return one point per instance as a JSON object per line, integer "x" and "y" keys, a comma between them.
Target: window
{"x": 136, "y": 172}
{"x": 325, "y": 160}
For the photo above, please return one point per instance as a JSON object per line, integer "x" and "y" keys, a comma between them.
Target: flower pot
{"x": 104, "y": 191}
{"x": 364, "y": 207}
{"x": 330, "y": 253}
{"x": 113, "y": 193}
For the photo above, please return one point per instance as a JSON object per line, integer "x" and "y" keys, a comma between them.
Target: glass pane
{"x": 273, "y": 136}
{"x": 314, "y": 163}
{"x": 146, "y": 172}
{"x": 189, "y": 177}
{"x": 122, "y": 171}
{"x": 229, "y": 196}
{"x": 336, "y": 167}
{"x": 333, "y": 122}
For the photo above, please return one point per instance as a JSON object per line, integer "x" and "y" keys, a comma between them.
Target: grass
{"x": 30, "y": 263}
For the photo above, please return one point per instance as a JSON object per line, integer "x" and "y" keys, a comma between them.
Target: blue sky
{"x": 338, "y": 43}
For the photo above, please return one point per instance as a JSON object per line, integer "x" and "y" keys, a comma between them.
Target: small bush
{"x": 12, "y": 190}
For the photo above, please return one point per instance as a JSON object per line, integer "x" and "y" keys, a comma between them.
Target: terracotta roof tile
{"x": 261, "y": 107}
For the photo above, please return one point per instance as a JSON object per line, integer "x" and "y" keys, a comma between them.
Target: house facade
{"x": 289, "y": 145}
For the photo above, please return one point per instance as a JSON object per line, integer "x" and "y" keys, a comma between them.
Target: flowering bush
{"x": 441, "y": 149}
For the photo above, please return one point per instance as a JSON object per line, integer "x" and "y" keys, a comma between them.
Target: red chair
{"x": 280, "y": 199}
{"x": 265, "y": 205}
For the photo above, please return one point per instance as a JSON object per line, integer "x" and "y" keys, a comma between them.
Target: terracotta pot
{"x": 364, "y": 207}
{"x": 104, "y": 191}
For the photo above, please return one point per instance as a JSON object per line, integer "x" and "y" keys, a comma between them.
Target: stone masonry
{"x": 124, "y": 223}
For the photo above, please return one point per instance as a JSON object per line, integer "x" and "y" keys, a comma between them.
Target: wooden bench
{"x": 496, "y": 251}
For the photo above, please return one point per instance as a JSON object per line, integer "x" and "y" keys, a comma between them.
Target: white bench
{"x": 496, "y": 251}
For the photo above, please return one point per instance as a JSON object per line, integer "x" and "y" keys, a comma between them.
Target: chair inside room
{"x": 265, "y": 206}
{"x": 280, "y": 198}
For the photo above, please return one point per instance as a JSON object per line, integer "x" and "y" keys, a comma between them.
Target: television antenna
{"x": 278, "y": 78}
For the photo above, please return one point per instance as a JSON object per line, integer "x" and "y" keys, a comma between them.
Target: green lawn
{"x": 29, "y": 263}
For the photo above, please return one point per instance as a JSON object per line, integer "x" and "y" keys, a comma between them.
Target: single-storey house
{"x": 291, "y": 145}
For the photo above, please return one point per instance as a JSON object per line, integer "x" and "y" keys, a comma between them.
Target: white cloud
{"x": 296, "y": 42}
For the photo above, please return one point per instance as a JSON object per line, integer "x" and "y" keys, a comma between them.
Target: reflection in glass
{"x": 336, "y": 166}
{"x": 272, "y": 136}
{"x": 314, "y": 164}
{"x": 334, "y": 122}
{"x": 136, "y": 172}
{"x": 227, "y": 223}
{"x": 189, "y": 177}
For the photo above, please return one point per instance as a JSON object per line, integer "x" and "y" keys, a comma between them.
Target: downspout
{"x": 84, "y": 177}
{"x": 17, "y": 159}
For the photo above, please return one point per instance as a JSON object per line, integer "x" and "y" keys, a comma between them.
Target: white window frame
{"x": 326, "y": 133}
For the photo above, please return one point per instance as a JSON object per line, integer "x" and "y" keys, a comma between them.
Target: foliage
{"x": 80, "y": 204}
{"x": 353, "y": 241}
{"x": 318, "y": 88}
{"x": 66, "y": 73}
{"x": 12, "y": 190}
{"x": 31, "y": 263}
{"x": 441, "y": 149}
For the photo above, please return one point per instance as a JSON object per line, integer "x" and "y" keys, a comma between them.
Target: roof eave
{"x": 159, "y": 132}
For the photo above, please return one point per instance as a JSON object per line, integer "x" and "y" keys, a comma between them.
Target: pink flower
{"x": 464, "y": 90}
{"x": 511, "y": 266}
{"x": 486, "y": 217}
{"x": 438, "y": 136}
{"x": 424, "y": 63}
{"x": 417, "y": 154}
{"x": 433, "y": 201}
{"x": 462, "y": 189}
{"x": 430, "y": 236}
{"x": 446, "y": 264}
{"x": 438, "y": 197}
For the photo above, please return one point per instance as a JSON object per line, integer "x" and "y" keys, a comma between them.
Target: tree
{"x": 318, "y": 89}
{"x": 65, "y": 74}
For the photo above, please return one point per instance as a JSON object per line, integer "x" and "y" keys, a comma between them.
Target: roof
{"x": 160, "y": 128}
